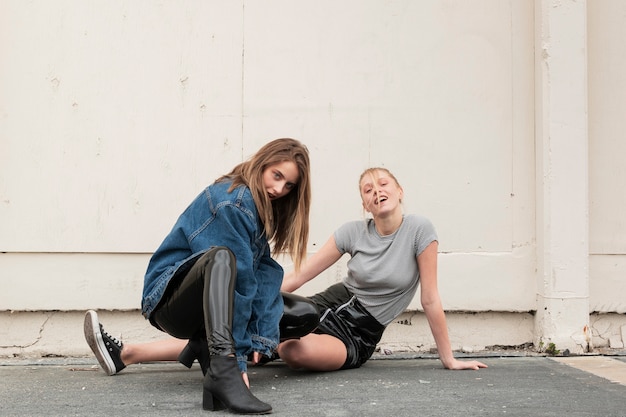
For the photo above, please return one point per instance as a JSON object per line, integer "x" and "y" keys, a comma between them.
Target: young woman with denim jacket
{"x": 213, "y": 280}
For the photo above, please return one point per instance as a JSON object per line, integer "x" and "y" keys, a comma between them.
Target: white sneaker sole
{"x": 96, "y": 343}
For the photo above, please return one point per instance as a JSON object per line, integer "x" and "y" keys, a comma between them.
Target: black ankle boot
{"x": 224, "y": 388}
{"x": 195, "y": 349}
{"x": 223, "y": 385}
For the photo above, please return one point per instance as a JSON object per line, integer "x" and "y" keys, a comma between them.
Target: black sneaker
{"x": 106, "y": 348}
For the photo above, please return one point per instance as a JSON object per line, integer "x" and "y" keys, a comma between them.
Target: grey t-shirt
{"x": 382, "y": 270}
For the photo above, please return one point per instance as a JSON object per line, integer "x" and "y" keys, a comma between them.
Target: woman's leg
{"x": 202, "y": 304}
{"x": 345, "y": 338}
{"x": 161, "y": 350}
{"x": 114, "y": 356}
{"x": 315, "y": 352}
{"x": 299, "y": 318}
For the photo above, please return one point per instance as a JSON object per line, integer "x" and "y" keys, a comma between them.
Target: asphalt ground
{"x": 384, "y": 386}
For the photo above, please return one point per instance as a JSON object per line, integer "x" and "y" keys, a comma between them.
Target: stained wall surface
{"x": 115, "y": 115}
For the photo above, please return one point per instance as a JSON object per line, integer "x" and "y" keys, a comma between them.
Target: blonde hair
{"x": 371, "y": 172}
{"x": 286, "y": 219}
{"x": 373, "y": 176}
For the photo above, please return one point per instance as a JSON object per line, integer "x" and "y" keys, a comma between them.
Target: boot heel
{"x": 195, "y": 349}
{"x": 209, "y": 402}
{"x": 187, "y": 356}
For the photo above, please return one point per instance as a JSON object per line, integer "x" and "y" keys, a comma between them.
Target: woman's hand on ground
{"x": 457, "y": 365}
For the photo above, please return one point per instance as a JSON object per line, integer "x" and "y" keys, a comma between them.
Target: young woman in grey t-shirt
{"x": 390, "y": 254}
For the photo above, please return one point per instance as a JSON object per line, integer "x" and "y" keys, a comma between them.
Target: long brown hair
{"x": 286, "y": 219}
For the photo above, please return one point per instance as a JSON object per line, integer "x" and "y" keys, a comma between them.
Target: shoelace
{"x": 113, "y": 339}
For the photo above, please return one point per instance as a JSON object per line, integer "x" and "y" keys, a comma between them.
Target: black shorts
{"x": 343, "y": 317}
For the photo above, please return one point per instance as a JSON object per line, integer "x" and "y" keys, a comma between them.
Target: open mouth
{"x": 272, "y": 196}
{"x": 381, "y": 200}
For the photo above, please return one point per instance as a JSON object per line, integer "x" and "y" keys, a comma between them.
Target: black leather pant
{"x": 181, "y": 311}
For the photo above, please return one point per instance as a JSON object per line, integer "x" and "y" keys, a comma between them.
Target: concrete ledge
{"x": 60, "y": 334}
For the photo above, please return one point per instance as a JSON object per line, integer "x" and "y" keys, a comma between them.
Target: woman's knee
{"x": 314, "y": 352}
{"x": 222, "y": 253}
{"x": 291, "y": 352}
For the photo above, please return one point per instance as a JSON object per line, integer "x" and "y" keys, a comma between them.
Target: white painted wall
{"x": 114, "y": 115}
{"x": 607, "y": 147}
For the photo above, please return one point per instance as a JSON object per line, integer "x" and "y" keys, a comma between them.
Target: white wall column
{"x": 562, "y": 175}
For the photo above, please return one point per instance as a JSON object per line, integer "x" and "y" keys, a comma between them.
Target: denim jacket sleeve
{"x": 267, "y": 306}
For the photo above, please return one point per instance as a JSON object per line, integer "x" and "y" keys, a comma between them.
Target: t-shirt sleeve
{"x": 425, "y": 234}
{"x": 345, "y": 236}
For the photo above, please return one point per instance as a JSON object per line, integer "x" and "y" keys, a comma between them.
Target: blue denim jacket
{"x": 219, "y": 218}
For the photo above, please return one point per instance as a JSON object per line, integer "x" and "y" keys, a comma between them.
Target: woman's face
{"x": 280, "y": 179}
{"x": 380, "y": 193}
